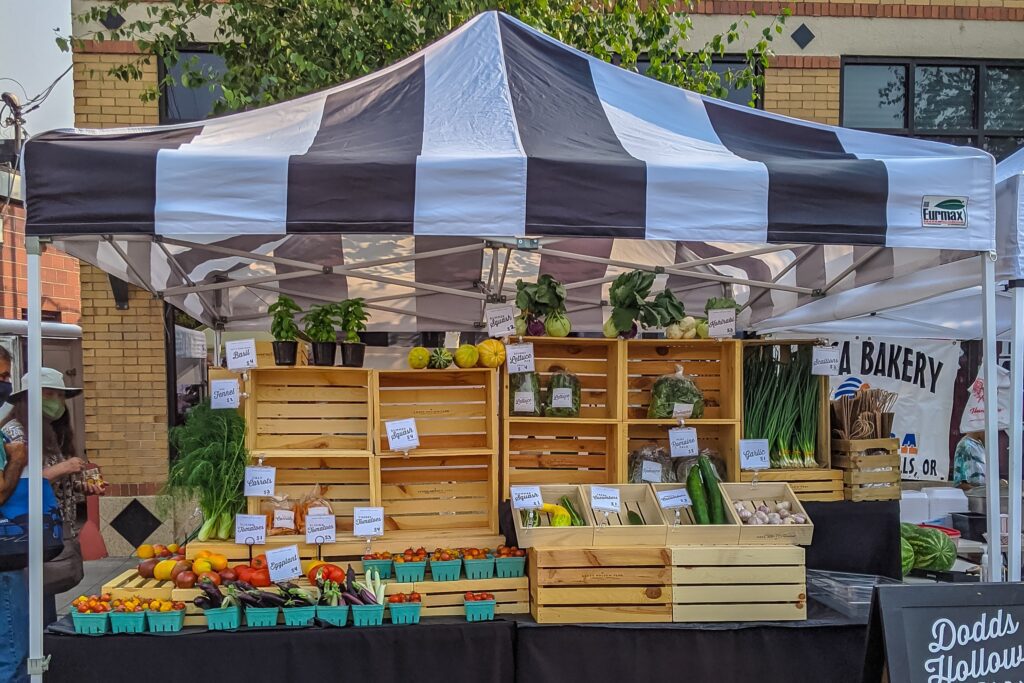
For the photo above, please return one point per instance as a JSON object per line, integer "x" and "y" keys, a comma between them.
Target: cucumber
{"x": 573, "y": 515}
{"x": 695, "y": 487}
{"x": 716, "y": 505}
{"x": 634, "y": 518}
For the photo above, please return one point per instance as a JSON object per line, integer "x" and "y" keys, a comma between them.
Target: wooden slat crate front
{"x": 871, "y": 468}
{"x": 446, "y": 598}
{"x": 456, "y": 411}
{"x": 423, "y": 493}
{"x": 615, "y": 530}
{"x": 769, "y": 494}
{"x": 129, "y": 584}
{"x": 812, "y": 484}
{"x": 744, "y": 583}
{"x": 561, "y": 451}
{"x": 688, "y": 532}
{"x": 721, "y": 439}
{"x": 546, "y": 536}
{"x": 600, "y": 585}
{"x": 713, "y": 364}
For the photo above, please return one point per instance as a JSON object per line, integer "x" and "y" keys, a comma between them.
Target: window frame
{"x": 161, "y": 73}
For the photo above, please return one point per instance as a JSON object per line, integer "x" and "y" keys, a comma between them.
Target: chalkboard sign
{"x": 950, "y": 633}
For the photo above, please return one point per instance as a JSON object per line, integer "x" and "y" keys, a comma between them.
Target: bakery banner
{"x": 923, "y": 375}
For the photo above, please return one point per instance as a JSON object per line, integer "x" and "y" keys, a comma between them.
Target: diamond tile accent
{"x": 135, "y": 523}
{"x": 802, "y": 36}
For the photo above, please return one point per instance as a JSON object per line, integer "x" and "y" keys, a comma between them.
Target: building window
{"x": 978, "y": 103}
{"x": 180, "y": 103}
{"x": 722, "y": 65}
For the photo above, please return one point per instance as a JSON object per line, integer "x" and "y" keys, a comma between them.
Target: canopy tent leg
{"x": 218, "y": 335}
{"x": 1016, "y": 430}
{"x": 991, "y": 380}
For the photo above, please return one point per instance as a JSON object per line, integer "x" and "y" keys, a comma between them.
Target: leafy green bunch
{"x": 628, "y": 297}
{"x": 282, "y": 321}
{"x": 352, "y": 316}
{"x": 319, "y": 322}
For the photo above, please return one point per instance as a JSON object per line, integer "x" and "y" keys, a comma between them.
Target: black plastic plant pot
{"x": 352, "y": 354}
{"x": 323, "y": 353}
{"x": 285, "y": 352}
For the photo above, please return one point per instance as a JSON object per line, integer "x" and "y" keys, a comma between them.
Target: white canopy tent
{"x": 494, "y": 154}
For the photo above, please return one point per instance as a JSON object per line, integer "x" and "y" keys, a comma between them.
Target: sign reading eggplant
{"x": 321, "y": 529}
{"x": 368, "y": 522}
{"x": 526, "y": 498}
{"x": 519, "y": 357}
{"x": 259, "y": 481}
{"x": 241, "y": 354}
{"x": 250, "y": 529}
{"x": 501, "y": 320}
{"x": 402, "y": 434}
{"x": 284, "y": 563}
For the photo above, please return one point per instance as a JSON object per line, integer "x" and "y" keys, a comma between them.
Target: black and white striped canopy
{"x": 498, "y": 130}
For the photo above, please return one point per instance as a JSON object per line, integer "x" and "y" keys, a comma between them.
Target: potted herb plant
{"x": 284, "y": 329}
{"x": 352, "y": 316}
{"x": 319, "y": 327}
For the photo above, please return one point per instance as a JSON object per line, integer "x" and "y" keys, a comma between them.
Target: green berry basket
{"x": 409, "y": 572}
{"x": 223, "y": 618}
{"x": 405, "y": 612}
{"x": 445, "y": 571}
{"x": 88, "y": 624}
{"x": 299, "y": 616}
{"x": 510, "y": 567}
{"x": 260, "y": 617}
{"x": 480, "y": 569}
{"x": 367, "y": 615}
{"x": 127, "y": 622}
{"x": 165, "y": 622}
{"x": 383, "y": 566}
{"x": 333, "y": 615}
{"x": 479, "y": 610}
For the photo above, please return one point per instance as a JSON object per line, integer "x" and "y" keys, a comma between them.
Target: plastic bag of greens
{"x": 650, "y": 464}
{"x": 675, "y": 396}
{"x": 524, "y": 393}
{"x": 563, "y": 397}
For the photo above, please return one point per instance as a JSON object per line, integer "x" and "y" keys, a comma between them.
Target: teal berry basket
{"x": 409, "y": 572}
{"x": 299, "y": 616}
{"x": 333, "y": 615}
{"x": 127, "y": 622}
{"x": 479, "y": 569}
{"x": 165, "y": 622}
{"x": 405, "y": 612}
{"x": 510, "y": 567}
{"x": 383, "y": 566}
{"x": 89, "y": 624}
{"x": 223, "y": 618}
{"x": 445, "y": 571}
{"x": 260, "y": 617}
{"x": 480, "y": 610}
{"x": 367, "y": 615}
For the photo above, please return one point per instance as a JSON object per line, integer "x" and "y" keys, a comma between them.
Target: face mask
{"x": 5, "y": 391}
{"x": 53, "y": 408}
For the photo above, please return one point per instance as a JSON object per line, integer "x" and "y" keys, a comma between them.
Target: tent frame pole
{"x": 1016, "y": 429}
{"x": 797, "y": 260}
{"x": 991, "y": 380}
{"x": 857, "y": 263}
{"x": 37, "y": 664}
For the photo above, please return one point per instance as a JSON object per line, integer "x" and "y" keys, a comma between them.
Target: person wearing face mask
{"x": 62, "y": 467}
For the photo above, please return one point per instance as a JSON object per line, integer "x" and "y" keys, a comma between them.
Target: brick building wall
{"x": 804, "y": 87}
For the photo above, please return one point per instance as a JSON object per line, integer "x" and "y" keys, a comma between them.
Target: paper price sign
{"x": 402, "y": 434}
{"x": 259, "y": 481}
{"x": 451, "y": 339}
{"x": 674, "y": 499}
{"x": 682, "y": 442}
{"x": 241, "y": 354}
{"x": 650, "y": 471}
{"x": 754, "y": 454}
{"x": 284, "y": 519}
{"x": 284, "y": 563}
{"x": 523, "y": 402}
{"x": 604, "y": 499}
{"x": 519, "y": 357}
{"x": 367, "y": 522}
{"x": 321, "y": 529}
{"x": 722, "y": 322}
{"x": 561, "y": 398}
{"x": 526, "y": 498}
{"x": 682, "y": 410}
{"x": 501, "y": 320}
{"x": 317, "y": 511}
{"x": 250, "y": 529}
{"x": 825, "y": 361}
{"x": 224, "y": 394}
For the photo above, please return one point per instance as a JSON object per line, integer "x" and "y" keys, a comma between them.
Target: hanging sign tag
{"x": 682, "y": 442}
{"x": 284, "y": 563}
{"x": 368, "y": 522}
{"x": 451, "y": 339}
{"x": 321, "y": 529}
{"x": 754, "y": 454}
{"x": 682, "y": 410}
{"x": 241, "y": 354}
{"x": 519, "y": 357}
{"x": 250, "y": 529}
{"x": 561, "y": 398}
{"x": 825, "y": 361}
{"x": 224, "y": 394}
{"x": 674, "y": 499}
{"x": 501, "y": 320}
{"x": 722, "y": 322}
{"x": 402, "y": 434}
{"x": 604, "y": 498}
{"x": 526, "y": 498}
{"x": 650, "y": 471}
{"x": 259, "y": 481}
{"x": 317, "y": 511}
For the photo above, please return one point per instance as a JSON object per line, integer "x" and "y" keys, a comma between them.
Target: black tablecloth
{"x": 856, "y": 537}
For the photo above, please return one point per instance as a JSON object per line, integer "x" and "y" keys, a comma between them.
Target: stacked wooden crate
{"x": 871, "y": 468}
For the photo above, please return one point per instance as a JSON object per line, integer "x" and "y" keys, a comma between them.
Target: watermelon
{"x": 440, "y": 359}
{"x": 906, "y": 556}
{"x": 932, "y": 549}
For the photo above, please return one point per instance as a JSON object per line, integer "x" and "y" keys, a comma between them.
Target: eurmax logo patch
{"x": 943, "y": 212}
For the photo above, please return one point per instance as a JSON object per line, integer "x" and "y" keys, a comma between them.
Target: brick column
{"x": 804, "y": 87}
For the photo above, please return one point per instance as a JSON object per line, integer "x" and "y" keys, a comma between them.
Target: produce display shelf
{"x": 557, "y": 451}
{"x": 544, "y": 535}
{"x": 871, "y": 468}
{"x": 722, "y": 439}
{"x": 809, "y": 484}
{"x": 688, "y": 422}
{"x": 616, "y": 529}
{"x": 561, "y": 420}
{"x": 769, "y": 493}
{"x": 129, "y": 584}
{"x": 688, "y": 532}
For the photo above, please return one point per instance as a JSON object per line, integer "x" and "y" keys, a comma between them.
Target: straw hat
{"x": 51, "y": 379}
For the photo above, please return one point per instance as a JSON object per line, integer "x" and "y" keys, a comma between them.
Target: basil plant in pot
{"x": 319, "y": 324}
{"x": 352, "y": 315}
{"x": 284, "y": 329}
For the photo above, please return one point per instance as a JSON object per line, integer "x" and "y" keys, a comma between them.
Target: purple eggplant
{"x": 351, "y": 599}
{"x": 367, "y": 597}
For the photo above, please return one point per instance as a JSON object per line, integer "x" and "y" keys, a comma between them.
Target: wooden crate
{"x": 614, "y": 530}
{"x": 600, "y": 585}
{"x": 423, "y": 493}
{"x": 769, "y": 493}
{"x": 129, "y": 584}
{"x": 811, "y": 484}
{"x": 561, "y": 451}
{"x": 456, "y": 411}
{"x": 688, "y": 532}
{"x": 301, "y": 410}
{"x": 719, "y": 437}
{"x": 715, "y": 365}
{"x": 265, "y": 355}
{"x": 871, "y": 468}
{"x": 446, "y": 598}
{"x": 547, "y": 536}
{"x": 744, "y": 583}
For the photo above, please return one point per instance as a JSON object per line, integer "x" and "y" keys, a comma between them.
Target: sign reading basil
{"x": 526, "y": 498}
{"x": 241, "y": 354}
{"x": 284, "y": 563}
{"x": 368, "y": 522}
{"x": 501, "y": 320}
{"x": 402, "y": 434}
{"x": 250, "y": 529}
{"x": 259, "y": 481}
